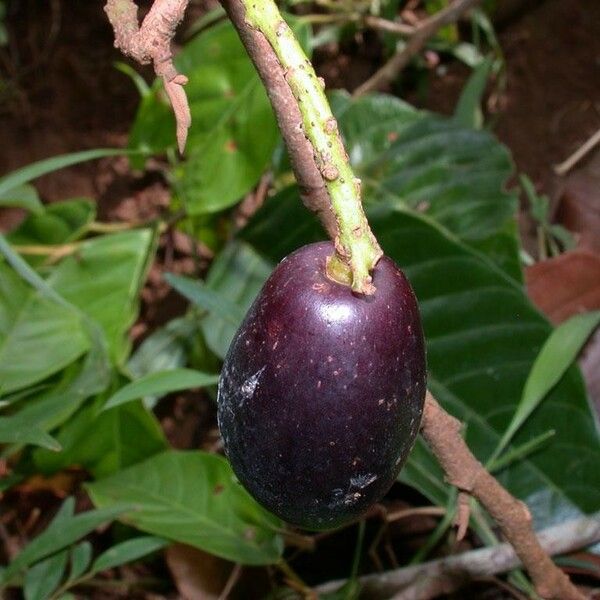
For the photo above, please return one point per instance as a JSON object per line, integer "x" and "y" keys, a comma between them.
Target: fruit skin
{"x": 321, "y": 393}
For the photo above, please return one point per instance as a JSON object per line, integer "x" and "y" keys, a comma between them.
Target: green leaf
{"x": 58, "y": 223}
{"x": 539, "y": 206}
{"x": 43, "y": 578}
{"x": 62, "y": 532}
{"x": 104, "y": 279}
{"x": 106, "y": 442}
{"x": 15, "y": 433}
{"x": 26, "y": 174}
{"x": 520, "y": 452}
{"x": 415, "y": 159}
{"x": 164, "y": 349}
{"x": 483, "y": 336}
{"x": 43, "y": 330}
{"x": 52, "y": 407}
{"x": 23, "y": 196}
{"x": 236, "y": 275}
{"x": 22, "y": 394}
{"x": 81, "y": 556}
{"x": 160, "y": 384}
{"x": 468, "y": 111}
{"x": 201, "y": 295}
{"x": 192, "y": 497}
{"x": 38, "y": 336}
{"x": 556, "y": 356}
{"x": 128, "y": 551}
{"x": 468, "y": 53}
{"x": 140, "y": 83}
{"x": 206, "y": 20}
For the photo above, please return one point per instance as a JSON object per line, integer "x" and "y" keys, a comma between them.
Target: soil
{"x": 59, "y": 92}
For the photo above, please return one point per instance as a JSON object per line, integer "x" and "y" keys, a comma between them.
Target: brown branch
{"x": 418, "y": 38}
{"x": 442, "y": 433}
{"x": 387, "y": 25}
{"x": 310, "y": 181}
{"x": 151, "y": 43}
{"x": 446, "y": 575}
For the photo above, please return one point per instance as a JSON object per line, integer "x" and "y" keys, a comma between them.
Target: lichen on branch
{"x": 151, "y": 43}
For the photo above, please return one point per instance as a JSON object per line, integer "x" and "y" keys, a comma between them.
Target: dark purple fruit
{"x": 322, "y": 390}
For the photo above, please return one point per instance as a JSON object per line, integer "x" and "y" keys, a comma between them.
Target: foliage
{"x": 552, "y": 238}
{"x": 72, "y": 392}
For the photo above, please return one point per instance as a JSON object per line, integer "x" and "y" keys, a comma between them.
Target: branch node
{"x": 151, "y": 42}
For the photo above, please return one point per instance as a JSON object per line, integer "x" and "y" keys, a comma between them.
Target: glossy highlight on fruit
{"x": 322, "y": 390}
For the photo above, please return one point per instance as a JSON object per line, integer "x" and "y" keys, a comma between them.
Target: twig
{"x": 564, "y": 167}
{"x": 233, "y": 578}
{"x": 389, "y": 71}
{"x": 54, "y": 253}
{"x": 416, "y": 582}
{"x": 442, "y": 433}
{"x": 387, "y": 25}
{"x": 151, "y": 43}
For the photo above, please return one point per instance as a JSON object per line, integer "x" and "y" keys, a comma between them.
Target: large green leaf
{"x": 104, "y": 278}
{"x": 46, "y": 409}
{"x": 38, "y": 336}
{"x": 483, "y": 336}
{"x": 192, "y": 497}
{"x": 233, "y": 132}
{"x": 416, "y": 159}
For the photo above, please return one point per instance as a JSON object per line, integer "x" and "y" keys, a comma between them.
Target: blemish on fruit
{"x": 249, "y": 386}
{"x": 363, "y": 480}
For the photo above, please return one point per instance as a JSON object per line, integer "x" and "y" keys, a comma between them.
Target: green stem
{"x": 357, "y": 250}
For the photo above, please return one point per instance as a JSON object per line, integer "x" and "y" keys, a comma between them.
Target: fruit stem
{"x": 357, "y": 250}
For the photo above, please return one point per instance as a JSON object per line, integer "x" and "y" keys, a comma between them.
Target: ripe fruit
{"x": 322, "y": 390}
